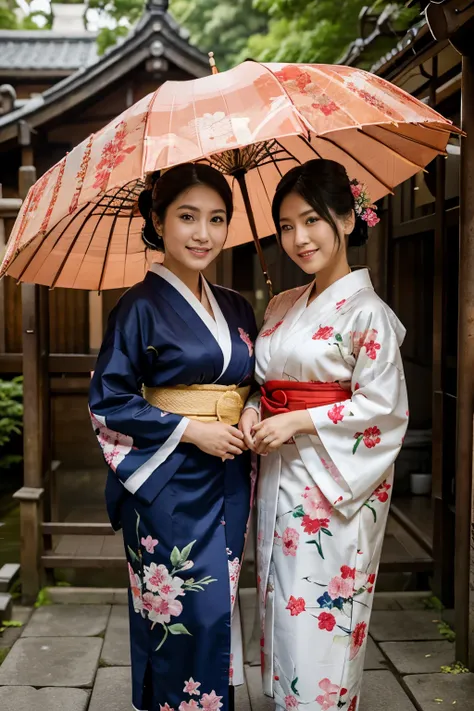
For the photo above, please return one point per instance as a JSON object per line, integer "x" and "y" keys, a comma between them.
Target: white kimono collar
{"x": 218, "y": 325}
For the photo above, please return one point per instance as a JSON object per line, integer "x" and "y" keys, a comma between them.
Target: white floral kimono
{"x": 323, "y": 499}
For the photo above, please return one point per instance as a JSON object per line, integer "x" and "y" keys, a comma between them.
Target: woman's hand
{"x": 249, "y": 419}
{"x": 215, "y": 438}
{"x": 269, "y": 435}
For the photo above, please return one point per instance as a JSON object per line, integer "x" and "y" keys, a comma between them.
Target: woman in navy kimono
{"x": 169, "y": 386}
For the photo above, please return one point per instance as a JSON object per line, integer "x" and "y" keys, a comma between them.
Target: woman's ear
{"x": 157, "y": 224}
{"x": 349, "y": 223}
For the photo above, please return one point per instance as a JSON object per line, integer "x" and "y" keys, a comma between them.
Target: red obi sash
{"x": 279, "y": 396}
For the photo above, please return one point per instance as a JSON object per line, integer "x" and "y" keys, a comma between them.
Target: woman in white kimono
{"x": 333, "y": 413}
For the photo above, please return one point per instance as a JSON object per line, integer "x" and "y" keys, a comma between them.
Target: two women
{"x": 329, "y": 422}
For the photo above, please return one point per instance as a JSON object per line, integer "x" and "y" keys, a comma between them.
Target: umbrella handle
{"x": 240, "y": 177}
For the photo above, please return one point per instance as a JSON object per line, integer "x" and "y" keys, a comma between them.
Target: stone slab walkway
{"x": 75, "y": 657}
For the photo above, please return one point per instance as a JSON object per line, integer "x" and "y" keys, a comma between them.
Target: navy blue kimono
{"x": 184, "y": 513}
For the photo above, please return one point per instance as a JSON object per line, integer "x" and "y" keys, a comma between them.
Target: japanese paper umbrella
{"x": 79, "y": 226}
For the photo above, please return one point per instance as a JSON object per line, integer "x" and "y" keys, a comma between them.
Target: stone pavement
{"x": 75, "y": 657}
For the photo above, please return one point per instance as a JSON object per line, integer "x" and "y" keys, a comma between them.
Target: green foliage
{"x": 433, "y": 603}
{"x": 315, "y": 31}
{"x": 220, "y": 26}
{"x": 11, "y": 418}
{"x": 3, "y": 653}
{"x": 43, "y": 598}
{"x": 446, "y": 631}
{"x": 456, "y": 668}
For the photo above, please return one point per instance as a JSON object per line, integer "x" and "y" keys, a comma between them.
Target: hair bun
{"x": 360, "y": 233}
{"x": 144, "y": 203}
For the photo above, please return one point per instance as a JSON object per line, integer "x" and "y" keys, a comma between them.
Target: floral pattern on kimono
{"x": 323, "y": 499}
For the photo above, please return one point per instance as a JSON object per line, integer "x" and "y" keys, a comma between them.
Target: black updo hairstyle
{"x": 163, "y": 188}
{"x": 323, "y": 184}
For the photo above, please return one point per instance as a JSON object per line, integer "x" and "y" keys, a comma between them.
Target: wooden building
{"x": 34, "y": 136}
{"x": 423, "y": 266}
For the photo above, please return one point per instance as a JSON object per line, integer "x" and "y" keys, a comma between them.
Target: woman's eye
{"x": 311, "y": 220}
{"x": 217, "y": 219}
{"x": 186, "y": 217}
{"x": 285, "y": 228}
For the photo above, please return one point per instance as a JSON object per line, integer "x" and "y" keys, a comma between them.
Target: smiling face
{"x": 308, "y": 239}
{"x": 194, "y": 229}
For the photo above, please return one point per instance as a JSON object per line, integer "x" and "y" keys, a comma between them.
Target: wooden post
{"x": 464, "y": 551}
{"x": 36, "y": 430}
{"x": 31, "y": 513}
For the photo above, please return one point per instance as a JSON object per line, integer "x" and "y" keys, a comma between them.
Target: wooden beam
{"x": 77, "y": 529}
{"x": 464, "y": 552}
{"x": 49, "y": 560}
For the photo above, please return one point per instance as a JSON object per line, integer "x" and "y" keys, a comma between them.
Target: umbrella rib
{"x": 126, "y": 246}
{"x": 392, "y": 150}
{"x": 407, "y": 138}
{"x": 104, "y": 265}
{"x": 104, "y": 212}
{"x": 356, "y": 160}
{"x": 54, "y": 245}
{"x": 69, "y": 250}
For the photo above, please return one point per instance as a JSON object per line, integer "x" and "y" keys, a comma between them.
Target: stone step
{"x": 6, "y": 606}
{"x": 8, "y": 574}
{"x": 88, "y": 596}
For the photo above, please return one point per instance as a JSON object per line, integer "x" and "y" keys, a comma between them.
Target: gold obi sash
{"x": 207, "y": 403}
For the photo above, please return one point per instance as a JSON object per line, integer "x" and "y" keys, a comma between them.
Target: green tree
{"x": 315, "y": 31}
{"x": 220, "y": 26}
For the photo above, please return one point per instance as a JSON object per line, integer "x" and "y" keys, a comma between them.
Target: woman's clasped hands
{"x": 215, "y": 438}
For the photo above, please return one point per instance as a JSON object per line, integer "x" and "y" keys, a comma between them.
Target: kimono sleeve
{"x": 363, "y": 436}
{"x": 138, "y": 440}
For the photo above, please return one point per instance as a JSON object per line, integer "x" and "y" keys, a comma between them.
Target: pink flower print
{"x": 329, "y": 699}
{"x": 158, "y": 580}
{"x": 191, "y": 687}
{"x": 370, "y": 436}
{"x": 315, "y": 504}
{"x": 211, "y": 702}
{"x": 340, "y": 587}
{"x": 333, "y": 470}
{"x": 231, "y": 667}
{"x": 136, "y": 589}
{"x": 326, "y": 621}
{"x": 247, "y": 340}
{"x": 335, "y": 413}
{"x": 114, "y": 152}
{"x": 323, "y": 333}
{"x": 291, "y": 538}
{"x": 271, "y": 331}
{"x": 314, "y": 525}
{"x": 370, "y": 216}
{"x": 186, "y": 566}
{"x": 381, "y": 492}
{"x": 340, "y": 304}
{"x": 115, "y": 446}
{"x": 149, "y": 543}
{"x": 358, "y": 636}
{"x": 291, "y": 702}
{"x": 188, "y": 705}
{"x": 371, "y": 348}
{"x": 166, "y": 707}
{"x": 296, "y": 606}
{"x": 360, "y": 338}
{"x": 234, "y": 572}
{"x": 347, "y": 572}
{"x": 161, "y": 610}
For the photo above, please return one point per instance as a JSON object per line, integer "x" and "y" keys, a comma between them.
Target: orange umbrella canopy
{"x": 79, "y": 226}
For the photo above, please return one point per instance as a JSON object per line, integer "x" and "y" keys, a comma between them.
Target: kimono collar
{"x": 217, "y": 326}
{"x": 343, "y": 288}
